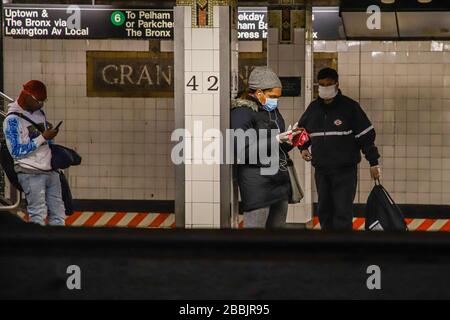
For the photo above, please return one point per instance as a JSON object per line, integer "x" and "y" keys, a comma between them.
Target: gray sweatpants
{"x": 273, "y": 216}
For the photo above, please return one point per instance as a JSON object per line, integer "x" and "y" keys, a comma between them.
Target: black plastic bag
{"x": 382, "y": 213}
{"x": 7, "y": 163}
{"x": 66, "y": 194}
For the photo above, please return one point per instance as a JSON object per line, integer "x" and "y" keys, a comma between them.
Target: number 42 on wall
{"x": 202, "y": 82}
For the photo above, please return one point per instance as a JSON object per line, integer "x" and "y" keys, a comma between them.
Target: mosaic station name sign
{"x": 109, "y": 22}
{"x": 129, "y": 74}
{"x": 86, "y": 22}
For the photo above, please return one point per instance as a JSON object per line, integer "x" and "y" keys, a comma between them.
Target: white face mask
{"x": 328, "y": 92}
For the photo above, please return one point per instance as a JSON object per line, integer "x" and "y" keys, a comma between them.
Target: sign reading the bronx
{"x": 129, "y": 74}
{"x": 86, "y": 22}
{"x": 252, "y": 23}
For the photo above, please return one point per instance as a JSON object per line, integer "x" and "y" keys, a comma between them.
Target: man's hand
{"x": 49, "y": 134}
{"x": 375, "y": 172}
{"x": 306, "y": 155}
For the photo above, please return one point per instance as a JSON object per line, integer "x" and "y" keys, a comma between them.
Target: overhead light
{"x": 388, "y": 1}
{"x": 424, "y": 1}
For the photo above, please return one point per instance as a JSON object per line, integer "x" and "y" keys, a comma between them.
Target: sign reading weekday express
{"x": 86, "y": 22}
{"x": 110, "y": 22}
{"x": 252, "y": 23}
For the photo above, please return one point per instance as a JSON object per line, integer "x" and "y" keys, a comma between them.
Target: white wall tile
{"x": 187, "y": 38}
{"x": 203, "y": 214}
{"x": 202, "y": 104}
{"x": 203, "y": 60}
{"x": 202, "y": 172}
{"x": 250, "y": 46}
{"x": 203, "y": 191}
{"x": 202, "y": 39}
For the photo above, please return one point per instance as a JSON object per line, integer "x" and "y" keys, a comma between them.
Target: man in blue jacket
{"x": 339, "y": 130}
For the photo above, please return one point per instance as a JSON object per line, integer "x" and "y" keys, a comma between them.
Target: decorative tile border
{"x": 202, "y": 10}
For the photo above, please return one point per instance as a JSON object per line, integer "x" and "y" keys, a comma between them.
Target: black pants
{"x": 336, "y": 192}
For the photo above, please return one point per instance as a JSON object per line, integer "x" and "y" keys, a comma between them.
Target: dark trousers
{"x": 336, "y": 192}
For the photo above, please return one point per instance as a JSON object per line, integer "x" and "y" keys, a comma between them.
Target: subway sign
{"x": 327, "y": 24}
{"x": 252, "y": 23}
{"x": 110, "y": 22}
{"x": 86, "y": 22}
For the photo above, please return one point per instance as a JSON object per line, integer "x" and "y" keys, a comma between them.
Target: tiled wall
{"x": 289, "y": 60}
{"x": 124, "y": 142}
{"x": 405, "y": 89}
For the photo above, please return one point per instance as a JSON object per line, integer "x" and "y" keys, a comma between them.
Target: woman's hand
{"x": 285, "y": 137}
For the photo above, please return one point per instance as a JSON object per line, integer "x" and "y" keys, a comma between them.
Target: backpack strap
{"x": 20, "y": 115}
{"x": 27, "y": 119}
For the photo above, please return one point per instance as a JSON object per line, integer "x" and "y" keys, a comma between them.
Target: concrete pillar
{"x": 205, "y": 51}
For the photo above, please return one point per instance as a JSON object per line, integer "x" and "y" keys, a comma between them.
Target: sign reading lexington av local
{"x": 86, "y": 22}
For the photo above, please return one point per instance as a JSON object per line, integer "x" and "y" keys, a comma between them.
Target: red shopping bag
{"x": 299, "y": 139}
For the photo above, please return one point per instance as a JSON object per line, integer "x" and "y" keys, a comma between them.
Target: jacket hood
{"x": 14, "y": 107}
{"x": 244, "y": 103}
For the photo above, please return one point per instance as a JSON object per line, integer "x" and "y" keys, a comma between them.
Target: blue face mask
{"x": 271, "y": 104}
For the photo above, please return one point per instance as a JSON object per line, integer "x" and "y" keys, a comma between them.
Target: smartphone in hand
{"x": 57, "y": 126}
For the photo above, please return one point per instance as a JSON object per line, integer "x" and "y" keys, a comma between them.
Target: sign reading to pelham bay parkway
{"x": 86, "y": 22}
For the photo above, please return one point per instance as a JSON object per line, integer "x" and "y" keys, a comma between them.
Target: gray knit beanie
{"x": 263, "y": 78}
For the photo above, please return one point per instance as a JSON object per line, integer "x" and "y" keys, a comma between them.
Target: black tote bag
{"x": 382, "y": 213}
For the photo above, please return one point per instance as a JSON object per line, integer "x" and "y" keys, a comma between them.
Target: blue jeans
{"x": 43, "y": 192}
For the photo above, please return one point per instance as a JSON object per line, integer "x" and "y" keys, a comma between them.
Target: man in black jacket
{"x": 339, "y": 129}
